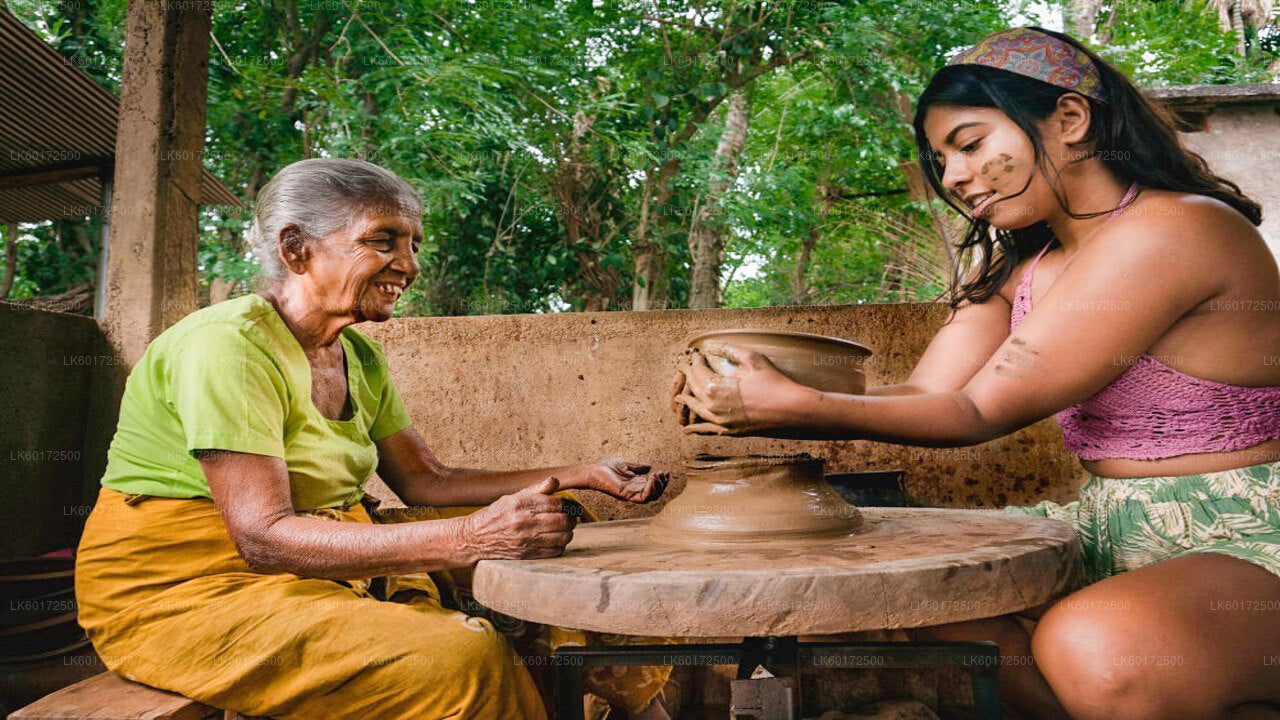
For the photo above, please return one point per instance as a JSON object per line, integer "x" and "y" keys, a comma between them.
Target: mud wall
{"x": 510, "y": 391}
{"x": 47, "y": 361}
{"x": 505, "y": 392}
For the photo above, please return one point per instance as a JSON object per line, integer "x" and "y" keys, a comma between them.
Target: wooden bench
{"x": 108, "y": 695}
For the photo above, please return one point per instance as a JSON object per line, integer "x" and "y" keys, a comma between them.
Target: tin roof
{"x": 57, "y": 133}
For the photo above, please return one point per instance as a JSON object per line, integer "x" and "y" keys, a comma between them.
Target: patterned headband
{"x": 1029, "y": 52}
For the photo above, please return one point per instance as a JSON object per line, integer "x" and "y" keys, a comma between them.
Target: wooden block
{"x": 109, "y": 696}
{"x": 770, "y": 698}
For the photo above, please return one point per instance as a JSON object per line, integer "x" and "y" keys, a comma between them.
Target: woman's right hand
{"x": 531, "y": 523}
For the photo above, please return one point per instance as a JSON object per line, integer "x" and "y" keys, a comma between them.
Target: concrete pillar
{"x": 151, "y": 267}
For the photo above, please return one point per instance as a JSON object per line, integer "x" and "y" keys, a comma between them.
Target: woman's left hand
{"x": 753, "y": 398}
{"x": 633, "y": 482}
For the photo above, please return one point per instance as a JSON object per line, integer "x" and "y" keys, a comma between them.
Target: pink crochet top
{"x": 1153, "y": 411}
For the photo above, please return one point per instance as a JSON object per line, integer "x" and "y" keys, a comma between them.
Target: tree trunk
{"x": 368, "y": 146}
{"x": 649, "y": 243}
{"x": 649, "y": 266}
{"x": 707, "y": 230}
{"x": 1108, "y": 25}
{"x": 304, "y": 45}
{"x": 800, "y": 278}
{"x": 822, "y": 200}
{"x": 648, "y": 290}
{"x": 584, "y": 196}
{"x": 1082, "y": 17}
{"x": 1237, "y": 23}
{"x": 1231, "y": 19}
{"x": 10, "y": 258}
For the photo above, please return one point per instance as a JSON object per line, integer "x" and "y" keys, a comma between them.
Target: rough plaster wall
{"x": 504, "y": 392}
{"x": 1242, "y": 144}
{"x": 47, "y": 361}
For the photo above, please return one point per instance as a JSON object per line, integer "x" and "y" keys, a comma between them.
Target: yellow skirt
{"x": 169, "y": 602}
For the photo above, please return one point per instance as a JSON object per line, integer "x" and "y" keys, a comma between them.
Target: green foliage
{"x": 1174, "y": 43}
{"x": 532, "y": 128}
{"x": 61, "y": 255}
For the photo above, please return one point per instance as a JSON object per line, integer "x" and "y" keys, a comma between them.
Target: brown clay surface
{"x": 827, "y": 363}
{"x": 754, "y": 498}
{"x": 908, "y": 567}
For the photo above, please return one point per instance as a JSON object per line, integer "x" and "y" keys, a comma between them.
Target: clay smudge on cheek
{"x": 997, "y": 167}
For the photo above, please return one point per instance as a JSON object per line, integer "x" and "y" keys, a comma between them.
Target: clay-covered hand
{"x": 630, "y": 481}
{"x": 531, "y": 523}
{"x": 749, "y": 398}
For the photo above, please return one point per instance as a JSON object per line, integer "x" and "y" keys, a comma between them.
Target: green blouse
{"x": 232, "y": 377}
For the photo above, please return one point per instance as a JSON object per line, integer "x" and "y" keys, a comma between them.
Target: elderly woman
{"x": 211, "y": 565}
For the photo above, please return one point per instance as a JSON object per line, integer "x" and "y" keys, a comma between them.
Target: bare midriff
{"x": 1194, "y": 463}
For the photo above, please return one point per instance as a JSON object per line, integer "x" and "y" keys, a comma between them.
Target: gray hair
{"x": 321, "y": 196}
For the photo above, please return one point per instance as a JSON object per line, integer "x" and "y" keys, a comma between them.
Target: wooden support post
{"x": 151, "y": 267}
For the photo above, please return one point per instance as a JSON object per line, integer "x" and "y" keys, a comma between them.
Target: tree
{"x": 10, "y": 258}
{"x": 1239, "y": 17}
{"x": 706, "y": 52}
{"x": 580, "y": 156}
{"x": 707, "y": 230}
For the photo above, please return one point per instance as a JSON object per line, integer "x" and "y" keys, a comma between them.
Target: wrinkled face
{"x": 362, "y": 269}
{"x": 989, "y": 165}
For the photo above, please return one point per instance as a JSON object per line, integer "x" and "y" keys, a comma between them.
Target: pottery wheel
{"x": 906, "y": 567}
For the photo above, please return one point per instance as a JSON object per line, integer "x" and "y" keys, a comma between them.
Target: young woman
{"x": 1117, "y": 282}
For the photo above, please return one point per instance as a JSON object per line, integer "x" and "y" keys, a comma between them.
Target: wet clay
{"x": 997, "y": 167}
{"x": 826, "y": 363}
{"x": 732, "y": 501}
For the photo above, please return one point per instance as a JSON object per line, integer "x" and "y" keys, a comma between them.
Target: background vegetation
{"x": 614, "y": 154}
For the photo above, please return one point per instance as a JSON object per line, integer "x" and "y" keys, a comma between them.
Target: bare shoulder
{"x": 1189, "y": 225}
{"x": 1197, "y": 237}
{"x": 1010, "y": 286}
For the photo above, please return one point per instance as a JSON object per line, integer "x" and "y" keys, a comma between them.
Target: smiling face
{"x": 988, "y": 165}
{"x": 361, "y": 270}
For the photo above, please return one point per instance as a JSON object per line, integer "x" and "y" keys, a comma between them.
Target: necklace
{"x": 1127, "y": 200}
{"x": 1129, "y": 196}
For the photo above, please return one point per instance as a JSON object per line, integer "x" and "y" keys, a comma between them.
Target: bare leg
{"x": 1195, "y": 636}
{"x": 655, "y": 711}
{"x": 1021, "y": 684}
{"x": 666, "y": 706}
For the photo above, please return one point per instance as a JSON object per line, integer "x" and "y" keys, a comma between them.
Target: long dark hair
{"x": 1131, "y": 136}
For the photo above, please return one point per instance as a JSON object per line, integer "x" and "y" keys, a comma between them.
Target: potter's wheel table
{"x": 907, "y": 567}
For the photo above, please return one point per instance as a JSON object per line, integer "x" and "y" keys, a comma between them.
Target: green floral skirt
{"x": 1128, "y": 523}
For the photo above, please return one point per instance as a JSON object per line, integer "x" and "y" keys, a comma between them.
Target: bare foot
{"x": 666, "y": 706}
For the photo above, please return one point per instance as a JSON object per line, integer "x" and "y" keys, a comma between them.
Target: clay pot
{"x": 825, "y": 363}
{"x": 38, "y": 616}
{"x": 35, "y": 577}
{"x": 754, "y": 498}
{"x": 53, "y": 636}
